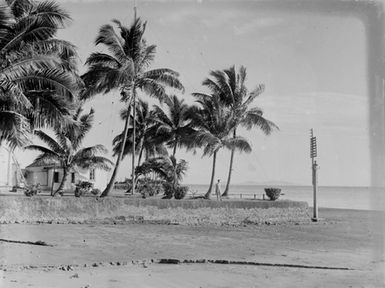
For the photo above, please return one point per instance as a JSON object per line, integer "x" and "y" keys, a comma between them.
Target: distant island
{"x": 272, "y": 182}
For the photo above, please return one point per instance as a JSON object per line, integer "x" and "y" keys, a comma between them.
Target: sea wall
{"x": 21, "y": 209}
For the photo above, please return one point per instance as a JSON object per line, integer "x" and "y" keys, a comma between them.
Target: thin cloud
{"x": 258, "y": 23}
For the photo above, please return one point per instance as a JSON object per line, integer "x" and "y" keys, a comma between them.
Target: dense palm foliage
{"x": 173, "y": 124}
{"x": 125, "y": 68}
{"x": 147, "y": 142}
{"x": 214, "y": 123}
{"x": 37, "y": 71}
{"x": 229, "y": 86}
{"x": 167, "y": 168}
{"x": 157, "y": 129}
{"x": 66, "y": 149}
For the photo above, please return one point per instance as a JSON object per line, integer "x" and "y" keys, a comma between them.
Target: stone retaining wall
{"x": 21, "y": 209}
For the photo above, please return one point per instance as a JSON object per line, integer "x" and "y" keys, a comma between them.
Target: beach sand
{"x": 350, "y": 239}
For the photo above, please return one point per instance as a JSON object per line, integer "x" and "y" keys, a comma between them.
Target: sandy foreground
{"x": 127, "y": 255}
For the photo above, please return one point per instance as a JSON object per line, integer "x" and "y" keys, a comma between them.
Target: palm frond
{"x": 152, "y": 88}
{"x": 147, "y": 57}
{"x": 27, "y": 31}
{"x": 104, "y": 60}
{"x": 14, "y": 129}
{"x": 160, "y": 117}
{"x": 44, "y": 150}
{"x": 254, "y": 118}
{"x": 51, "y": 12}
{"x": 19, "y": 7}
{"x": 49, "y": 110}
{"x": 52, "y": 143}
{"x": 238, "y": 143}
{"x": 112, "y": 41}
{"x": 91, "y": 151}
{"x": 61, "y": 81}
{"x": 255, "y": 93}
{"x": 48, "y": 158}
{"x": 222, "y": 87}
{"x": 96, "y": 162}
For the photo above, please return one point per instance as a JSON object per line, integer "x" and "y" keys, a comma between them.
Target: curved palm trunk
{"x": 174, "y": 150}
{"x": 208, "y": 193}
{"x": 63, "y": 180}
{"x": 133, "y": 142}
{"x": 226, "y": 193}
{"x": 110, "y": 184}
{"x": 139, "y": 160}
{"x": 140, "y": 151}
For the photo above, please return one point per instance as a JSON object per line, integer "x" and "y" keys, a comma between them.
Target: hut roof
{"x": 44, "y": 162}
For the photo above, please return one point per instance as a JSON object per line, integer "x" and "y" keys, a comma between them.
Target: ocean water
{"x": 362, "y": 198}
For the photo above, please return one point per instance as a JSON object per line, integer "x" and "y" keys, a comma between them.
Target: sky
{"x": 314, "y": 67}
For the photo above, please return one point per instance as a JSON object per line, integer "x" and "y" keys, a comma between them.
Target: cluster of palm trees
{"x": 40, "y": 88}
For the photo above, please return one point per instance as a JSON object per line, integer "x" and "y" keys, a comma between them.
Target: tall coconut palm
{"x": 230, "y": 87}
{"x": 214, "y": 123}
{"x": 66, "y": 149}
{"x": 37, "y": 71}
{"x": 125, "y": 68}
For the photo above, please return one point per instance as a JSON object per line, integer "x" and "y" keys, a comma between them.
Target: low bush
{"x": 32, "y": 190}
{"x": 273, "y": 193}
{"x": 96, "y": 191}
{"x": 180, "y": 192}
{"x": 168, "y": 190}
{"x": 83, "y": 187}
{"x": 148, "y": 187}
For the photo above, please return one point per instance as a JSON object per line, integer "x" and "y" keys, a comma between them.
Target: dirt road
{"x": 344, "y": 239}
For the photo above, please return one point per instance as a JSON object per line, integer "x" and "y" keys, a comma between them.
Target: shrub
{"x": 32, "y": 190}
{"x": 273, "y": 193}
{"x": 148, "y": 187}
{"x": 180, "y": 192}
{"x": 96, "y": 191}
{"x": 83, "y": 187}
{"x": 168, "y": 190}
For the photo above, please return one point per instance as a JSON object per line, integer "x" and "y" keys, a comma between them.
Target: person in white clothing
{"x": 218, "y": 190}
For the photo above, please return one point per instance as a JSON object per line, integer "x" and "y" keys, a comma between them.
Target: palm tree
{"x": 37, "y": 72}
{"x": 174, "y": 125}
{"x": 66, "y": 148}
{"x": 147, "y": 141}
{"x": 125, "y": 68}
{"x": 214, "y": 123}
{"x": 232, "y": 92}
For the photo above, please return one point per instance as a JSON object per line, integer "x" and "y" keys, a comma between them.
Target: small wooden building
{"x": 49, "y": 175}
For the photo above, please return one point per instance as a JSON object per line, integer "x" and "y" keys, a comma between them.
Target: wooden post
{"x": 315, "y": 188}
{"x": 314, "y": 167}
{"x": 53, "y": 179}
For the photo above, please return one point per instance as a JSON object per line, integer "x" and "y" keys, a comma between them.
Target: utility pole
{"x": 314, "y": 167}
